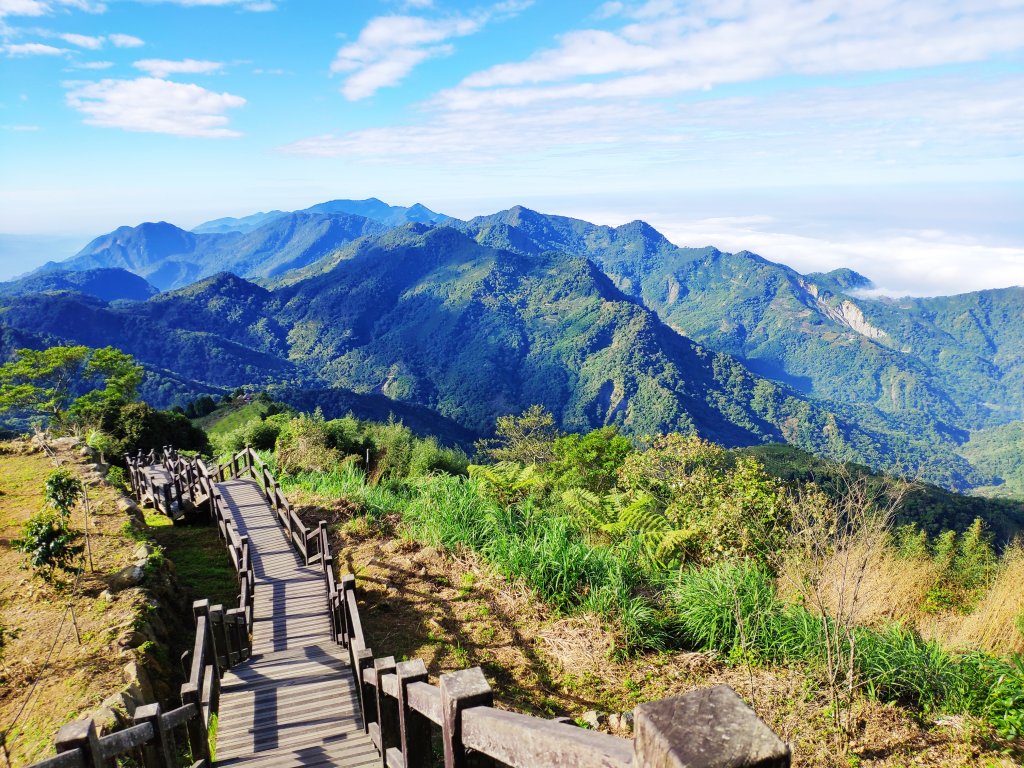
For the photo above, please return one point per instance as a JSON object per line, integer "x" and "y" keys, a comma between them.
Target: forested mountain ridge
{"x": 106, "y": 284}
{"x": 599, "y": 324}
{"x": 959, "y": 359}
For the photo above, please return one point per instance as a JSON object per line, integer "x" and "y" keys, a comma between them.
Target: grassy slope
{"x": 75, "y": 677}
{"x": 200, "y": 560}
{"x": 453, "y": 610}
{"x": 229, "y": 417}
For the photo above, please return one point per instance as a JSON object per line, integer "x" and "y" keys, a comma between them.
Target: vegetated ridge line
{"x": 294, "y": 702}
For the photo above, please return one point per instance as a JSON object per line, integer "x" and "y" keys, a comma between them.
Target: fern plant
{"x": 506, "y": 482}
{"x": 618, "y": 516}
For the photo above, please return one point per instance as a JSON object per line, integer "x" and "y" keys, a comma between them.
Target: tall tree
{"x": 53, "y": 382}
{"x": 528, "y": 438}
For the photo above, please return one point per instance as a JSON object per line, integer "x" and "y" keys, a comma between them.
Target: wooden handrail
{"x": 79, "y": 746}
{"x": 399, "y": 707}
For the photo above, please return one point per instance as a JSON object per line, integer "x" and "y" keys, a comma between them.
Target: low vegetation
{"x": 62, "y": 628}
{"x": 681, "y": 546}
{"x": 808, "y": 586}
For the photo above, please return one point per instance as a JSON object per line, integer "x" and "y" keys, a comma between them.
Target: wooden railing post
{"x": 159, "y": 753}
{"x": 198, "y": 736}
{"x": 221, "y": 638}
{"x": 414, "y": 727}
{"x": 238, "y": 630}
{"x": 202, "y": 608}
{"x": 363, "y": 666}
{"x": 387, "y": 709}
{"x": 459, "y": 691}
{"x": 348, "y": 584}
{"x": 710, "y": 727}
{"x": 80, "y": 736}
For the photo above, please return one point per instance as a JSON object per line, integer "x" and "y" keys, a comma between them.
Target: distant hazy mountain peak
{"x": 104, "y": 284}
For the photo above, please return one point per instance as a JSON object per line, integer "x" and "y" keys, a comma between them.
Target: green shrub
{"x": 49, "y": 545}
{"x": 897, "y": 665}
{"x": 137, "y": 426}
{"x": 589, "y": 461}
{"x": 302, "y": 446}
{"x": 428, "y": 457}
{"x": 62, "y": 491}
{"x": 117, "y": 478}
{"x": 729, "y": 608}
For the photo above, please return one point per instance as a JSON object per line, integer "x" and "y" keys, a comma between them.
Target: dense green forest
{"x": 452, "y": 324}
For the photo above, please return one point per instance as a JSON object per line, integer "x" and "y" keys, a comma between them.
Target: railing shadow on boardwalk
{"x": 411, "y": 723}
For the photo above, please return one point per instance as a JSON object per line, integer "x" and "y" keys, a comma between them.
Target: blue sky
{"x": 884, "y": 135}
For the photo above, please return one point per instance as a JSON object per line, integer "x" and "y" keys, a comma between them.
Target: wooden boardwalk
{"x": 294, "y": 702}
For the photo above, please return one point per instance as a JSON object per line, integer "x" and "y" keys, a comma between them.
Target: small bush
{"x": 49, "y": 545}
{"x": 302, "y": 446}
{"x": 117, "y": 478}
{"x": 62, "y": 491}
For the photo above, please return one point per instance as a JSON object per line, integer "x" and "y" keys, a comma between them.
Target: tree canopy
{"x": 70, "y": 380}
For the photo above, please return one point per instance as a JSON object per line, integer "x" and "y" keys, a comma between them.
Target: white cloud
{"x": 83, "y": 41}
{"x": 153, "y": 105}
{"x": 34, "y": 49}
{"x": 165, "y": 67}
{"x": 89, "y": 6}
{"x": 257, "y": 6}
{"x": 921, "y": 263}
{"x": 668, "y": 49}
{"x": 23, "y": 8}
{"x": 389, "y": 47}
{"x": 44, "y": 7}
{"x": 125, "y": 41}
{"x": 94, "y": 65}
{"x": 870, "y": 129}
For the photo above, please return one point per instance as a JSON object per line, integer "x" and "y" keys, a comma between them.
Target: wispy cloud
{"x": 901, "y": 125}
{"x": 390, "y": 47}
{"x": 165, "y": 67}
{"x": 23, "y": 8}
{"x": 94, "y": 65}
{"x": 44, "y": 7}
{"x": 33, "y": 49}
{"x": 83, "y": 41}
{"x": 256, "y": 6}
{"x": 125, "y": 41}
{"x": 153, "y": 105}
{"x": 669, "y": 48}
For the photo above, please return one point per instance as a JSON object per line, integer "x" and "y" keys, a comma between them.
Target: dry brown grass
{"x": 892, "y": 589}
{"x": 85, "y": 666}
{"x": 992, "y": 625}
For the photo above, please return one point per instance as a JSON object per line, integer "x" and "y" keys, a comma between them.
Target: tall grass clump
{"x": 733, "y": 608}
{"x": 546, "y": 552}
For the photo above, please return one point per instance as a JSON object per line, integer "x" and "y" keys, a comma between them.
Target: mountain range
{"x": 468, "y": 320}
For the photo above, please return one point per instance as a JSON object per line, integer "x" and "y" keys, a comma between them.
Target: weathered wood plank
{"x": 295, "y": 701}
{"x": 521, "y": 741}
